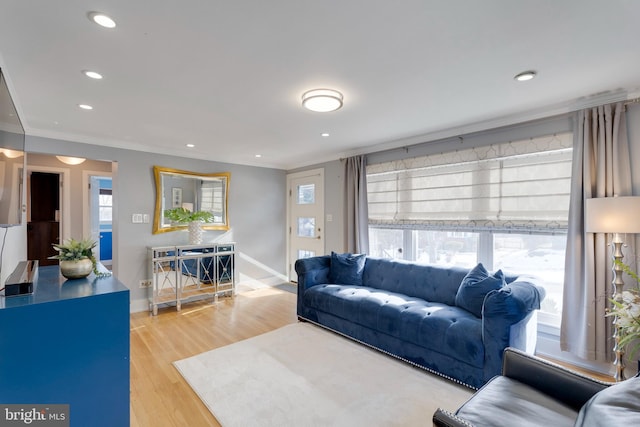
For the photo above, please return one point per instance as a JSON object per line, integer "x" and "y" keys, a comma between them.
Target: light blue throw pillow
{"x": 347, "y": 269}
{"x": 475, "y": 286}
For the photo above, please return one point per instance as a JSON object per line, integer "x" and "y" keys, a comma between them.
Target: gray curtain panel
{"x": 601, "y": 168}
{"x": 357, "y": 212}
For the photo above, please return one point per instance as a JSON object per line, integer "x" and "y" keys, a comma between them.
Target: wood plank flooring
{"x": 159, "y": 394}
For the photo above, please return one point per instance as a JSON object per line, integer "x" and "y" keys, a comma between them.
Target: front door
{"x": 306, "y": 216}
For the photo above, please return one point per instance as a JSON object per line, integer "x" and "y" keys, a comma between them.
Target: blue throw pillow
{"x": 347, "y": 269}
{"x": 475, "y": 286}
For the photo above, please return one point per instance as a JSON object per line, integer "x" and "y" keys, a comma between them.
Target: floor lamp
{"x": 615, "y": 215}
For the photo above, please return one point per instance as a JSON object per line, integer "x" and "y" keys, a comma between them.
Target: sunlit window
{"x": 505, "y": 205}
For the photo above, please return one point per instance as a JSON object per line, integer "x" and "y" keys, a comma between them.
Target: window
{"x": 212, "y": 199}
{"x": 505, "y": 205}
{"x": 105, "y": 205}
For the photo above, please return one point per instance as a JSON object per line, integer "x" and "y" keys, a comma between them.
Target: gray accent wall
{"x": 257, "y": 213}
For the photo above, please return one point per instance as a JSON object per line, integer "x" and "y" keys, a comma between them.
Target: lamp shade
{"x": 612, "y": 215}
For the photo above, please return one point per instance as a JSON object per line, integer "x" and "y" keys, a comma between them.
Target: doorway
{"x": 305, "y": 219}
{"x": 101, "y": 216}
{"x": 43, "y": 216}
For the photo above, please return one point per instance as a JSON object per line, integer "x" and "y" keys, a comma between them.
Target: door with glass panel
{"x": 306, "y": 217}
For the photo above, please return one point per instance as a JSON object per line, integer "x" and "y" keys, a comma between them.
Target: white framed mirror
{"x": 208, "y": 192}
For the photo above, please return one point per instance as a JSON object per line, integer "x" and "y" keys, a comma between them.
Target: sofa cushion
{"x": 439, "y": 327}
{"x": 504, "y": 402}
{"x": 618, "y": 404}
{"x": 347, "y": 268}
{"x": 475, "y": 286}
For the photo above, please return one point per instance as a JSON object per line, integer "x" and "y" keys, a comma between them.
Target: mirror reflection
{"x": 12, "y": 159}
{"x": 195, "y": 192}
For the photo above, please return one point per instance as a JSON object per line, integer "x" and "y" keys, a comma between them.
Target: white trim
{"x": 86, "y": 175}
{"x": 65, "y": 191}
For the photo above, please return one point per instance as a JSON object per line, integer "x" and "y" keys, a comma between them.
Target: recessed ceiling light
{"x": 102, "y": 19}
{"x": 258, "y": 156}
{"x": 525, "y": 75}
{"x": 85, "y": 106}
{"x": 325, "y": 134}
{"x": 190, "y": 145}
{"x": 322, "y": 100}
{"x": 92, "y": 74}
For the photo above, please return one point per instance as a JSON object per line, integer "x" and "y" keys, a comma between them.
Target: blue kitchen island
{"x": 68, "y": 343}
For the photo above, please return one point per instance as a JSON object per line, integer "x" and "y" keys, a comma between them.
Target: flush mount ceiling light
{"x": 102, "y": 19}
{"x": 190, "y": 145}
{"x": 85, "y": 106}
{"x": 12, "y": 154}
{"x": 322, "y": 100}
{"x": 525, "y": 75}
{"x": 71, "y": 160}
{"x": 92, "y": 74}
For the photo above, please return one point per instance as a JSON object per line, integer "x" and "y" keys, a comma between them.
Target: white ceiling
{"x": 227, "y": 76}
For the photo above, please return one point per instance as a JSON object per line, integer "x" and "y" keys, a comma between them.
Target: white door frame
{"x": 86, "y": 204}
{"x": 65, "y": 195}
{"x": 290, "y": 178}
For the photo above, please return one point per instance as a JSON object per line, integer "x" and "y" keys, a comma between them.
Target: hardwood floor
{"x": 159, "y": 394}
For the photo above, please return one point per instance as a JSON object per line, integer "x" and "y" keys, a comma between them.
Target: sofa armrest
{"x": 502, "y": 309}
{"x": 311, "y": 272}
{"x": 513, "y": 302}
{"x": 563, "y": 384}
{"x": 443, "y": 418}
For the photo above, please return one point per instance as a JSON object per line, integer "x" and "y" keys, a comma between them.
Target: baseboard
{"x": 138, "y": 305}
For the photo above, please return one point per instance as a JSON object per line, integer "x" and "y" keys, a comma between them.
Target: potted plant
{"x": 76, "y": 258}
{"x": 626, "y": 312}
{"x": 193, "y": 219}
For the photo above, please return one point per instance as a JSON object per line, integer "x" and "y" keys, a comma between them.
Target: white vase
{"x": 195, "y": 232}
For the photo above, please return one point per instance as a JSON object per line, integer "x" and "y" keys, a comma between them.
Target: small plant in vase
{"x": 77, "y": 259}
{"x": 193, "y": 219}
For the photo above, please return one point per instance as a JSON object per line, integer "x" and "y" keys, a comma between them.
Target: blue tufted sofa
{"x": 409, "y": 310}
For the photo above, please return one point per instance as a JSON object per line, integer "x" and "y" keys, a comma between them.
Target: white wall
{"x": 257, "y": 213}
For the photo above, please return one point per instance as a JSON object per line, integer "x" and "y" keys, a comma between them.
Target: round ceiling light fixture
{"x": 322, "y": 100}
{"x": 102, "y": 19}
{"x": 525, "y": 76}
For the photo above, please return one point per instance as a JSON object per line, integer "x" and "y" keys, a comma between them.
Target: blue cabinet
{"x": 68, "y": 343}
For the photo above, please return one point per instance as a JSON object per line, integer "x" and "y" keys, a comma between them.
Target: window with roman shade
{"x": 517, "y": 186}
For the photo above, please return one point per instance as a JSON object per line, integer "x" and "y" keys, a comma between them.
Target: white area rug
{"x": 303, "y": 375}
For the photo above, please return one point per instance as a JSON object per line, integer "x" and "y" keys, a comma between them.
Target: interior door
{"x": 43, "y": 227}
{"x": 306, "y": 216}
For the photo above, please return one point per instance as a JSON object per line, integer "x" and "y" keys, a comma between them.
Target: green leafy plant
{"x": 183, "y": 216}
{"x": 74, "y": 250}
{"x": 626, "y": 309}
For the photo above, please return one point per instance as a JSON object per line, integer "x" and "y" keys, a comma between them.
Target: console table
{"x": 189, "y": 272}
{"x": 68, "y": 343}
